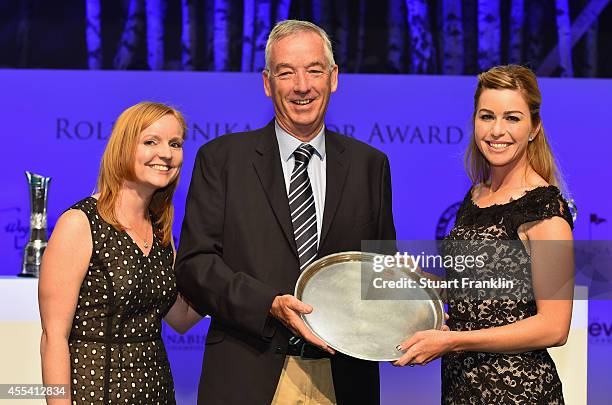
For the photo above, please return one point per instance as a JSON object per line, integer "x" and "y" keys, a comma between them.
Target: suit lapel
{"x": 337, "y": 170}
{"x": 270, "y": 172}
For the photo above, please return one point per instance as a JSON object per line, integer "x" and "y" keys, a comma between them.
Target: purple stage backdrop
{"x": 58, "y": 123}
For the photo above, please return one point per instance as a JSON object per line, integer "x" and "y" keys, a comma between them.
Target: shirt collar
{"x": 287, "y": 143}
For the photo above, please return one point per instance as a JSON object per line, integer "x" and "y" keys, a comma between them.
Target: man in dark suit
{"x": 264, "y": 204}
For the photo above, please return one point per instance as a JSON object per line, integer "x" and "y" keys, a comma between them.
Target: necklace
{"x": 145, "y": 242}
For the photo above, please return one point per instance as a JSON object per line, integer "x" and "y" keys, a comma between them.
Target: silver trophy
{"x": 37, "y": 242}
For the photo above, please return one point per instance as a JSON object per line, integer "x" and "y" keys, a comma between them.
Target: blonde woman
{"x": 495, "y": 351}
{"x": 107, "y": 277}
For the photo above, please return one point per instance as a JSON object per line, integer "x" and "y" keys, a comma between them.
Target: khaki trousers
{"x": 305, "y": 382}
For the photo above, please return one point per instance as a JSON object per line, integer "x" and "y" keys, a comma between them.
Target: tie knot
{"x": 303, "y": 153}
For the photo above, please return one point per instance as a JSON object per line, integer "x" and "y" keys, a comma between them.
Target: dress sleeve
{"x": 542, "y": 203}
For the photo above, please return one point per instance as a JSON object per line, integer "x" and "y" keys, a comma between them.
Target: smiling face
{"x": 300, "y": 83}
{"x": 159, "y": 153}
{"x": 502, "y": 126}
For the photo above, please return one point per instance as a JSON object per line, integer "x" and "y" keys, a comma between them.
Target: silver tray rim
{"x": 357, "y": 256}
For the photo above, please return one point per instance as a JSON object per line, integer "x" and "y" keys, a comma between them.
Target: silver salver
{"x": 357, "y": 321}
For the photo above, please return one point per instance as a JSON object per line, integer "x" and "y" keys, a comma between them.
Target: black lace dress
{"x": 497, "y": 378}
{"x": 117, "y": 355}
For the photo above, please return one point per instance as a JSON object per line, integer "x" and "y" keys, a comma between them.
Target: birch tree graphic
{"x": 421, "y": 47}
{"x": 452, "y": 38}
{"x": 489, "y": 34}
{"x": 155, "y": 33}
{"x": 221, "y": 35}
{"x": 397, "y": 34}
{"x": 134, "y": 26}
{"x": 515, "y": 32}
{"x": 248, "y": 35}
{"x": 262, "y": 29}
{"x": 564, "y": 35}
{"x": 93, "y": 34}
{"x": 188, "y": 34}
{"x": 282, "y": 10}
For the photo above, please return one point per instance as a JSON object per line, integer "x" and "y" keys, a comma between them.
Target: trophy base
{"x": 27, "y": 275}
{"x": 32, "y": 258}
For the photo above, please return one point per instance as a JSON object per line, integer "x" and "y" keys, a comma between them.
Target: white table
{"x": 20, "y": 334}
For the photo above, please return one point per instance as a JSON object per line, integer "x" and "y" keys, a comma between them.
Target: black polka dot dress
{"x": 117, "y": 355}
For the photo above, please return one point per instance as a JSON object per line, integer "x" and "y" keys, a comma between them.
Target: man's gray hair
{"x": 285, "y": 28}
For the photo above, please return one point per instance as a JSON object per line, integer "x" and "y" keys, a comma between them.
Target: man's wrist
{"x": 275, "y": 302}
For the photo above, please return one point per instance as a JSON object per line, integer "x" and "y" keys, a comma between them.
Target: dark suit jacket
{"x": 237, "y": 252}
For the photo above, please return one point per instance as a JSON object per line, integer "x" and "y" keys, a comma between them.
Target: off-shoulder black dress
{"x": 497, "y": 378}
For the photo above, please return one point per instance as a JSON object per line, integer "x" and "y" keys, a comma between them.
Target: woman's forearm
{"x": 55, "y": 359}
{"x": 533, "y": 333}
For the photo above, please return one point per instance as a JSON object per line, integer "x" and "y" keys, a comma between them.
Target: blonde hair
{"x": 539, "y": 153}
{"x": 286, "y": 28}
{"x": 117, "y": 166}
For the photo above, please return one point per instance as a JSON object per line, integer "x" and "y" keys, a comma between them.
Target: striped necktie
{"x": 302, "y": 207}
